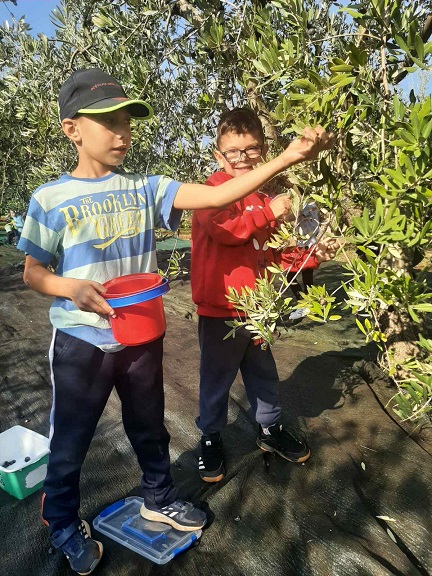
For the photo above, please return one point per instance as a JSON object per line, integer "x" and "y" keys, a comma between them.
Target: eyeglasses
{"x": 235, "y": 155}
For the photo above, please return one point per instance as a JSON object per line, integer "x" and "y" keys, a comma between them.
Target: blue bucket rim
{"x": 140, "y": 297}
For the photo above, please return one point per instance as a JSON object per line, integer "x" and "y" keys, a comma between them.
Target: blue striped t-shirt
{"x": 98, "y": 229}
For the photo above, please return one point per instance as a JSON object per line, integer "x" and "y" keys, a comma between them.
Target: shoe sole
{"x": 212, "y": 478}
{"x": 284, "y": 456}
{"x": 96, "y": 562}
{"x": 158, "y": 517}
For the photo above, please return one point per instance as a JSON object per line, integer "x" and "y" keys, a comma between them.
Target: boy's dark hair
{"x": 240, "y": 121}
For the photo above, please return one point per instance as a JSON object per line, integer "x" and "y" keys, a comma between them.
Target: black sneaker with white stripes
{"x": 210, "y": 463}
{"x": 180, "y": 515}
{"x": 286, "y": 443}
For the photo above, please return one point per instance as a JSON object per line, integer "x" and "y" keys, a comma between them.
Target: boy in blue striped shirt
{"x": 100, "y": 222}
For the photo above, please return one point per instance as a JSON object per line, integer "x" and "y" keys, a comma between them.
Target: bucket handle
{"x": 141, "y": 297}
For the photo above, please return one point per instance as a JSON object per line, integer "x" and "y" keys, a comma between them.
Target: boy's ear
{"x": 264, "y": 151}
{"x": 70, "y": 128}
{"x": 219, "y": 158}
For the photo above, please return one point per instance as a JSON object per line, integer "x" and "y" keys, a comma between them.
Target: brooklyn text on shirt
{"x": 116, "y": 216}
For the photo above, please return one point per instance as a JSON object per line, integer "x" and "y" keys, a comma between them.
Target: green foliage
{"x": 175, "y": 268}
{"x": 414, "y": 398}
{"x": 261, "y": 307}
{"x": 297, "y": 63}
{"x": 320, "y": 304}
{"x": 313, "y": 65}
{"x": 127, "y": 41}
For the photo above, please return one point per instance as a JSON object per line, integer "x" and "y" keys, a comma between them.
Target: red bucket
{"x": 137, "y": 301}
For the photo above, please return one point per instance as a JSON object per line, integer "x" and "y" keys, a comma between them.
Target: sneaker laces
{"x": 213, "y": 448}
{"x": 279, "y": 432}
{"x": 211, "y": 453}
{"x": 182, "y": 504}
{"x": 291, "y": 435}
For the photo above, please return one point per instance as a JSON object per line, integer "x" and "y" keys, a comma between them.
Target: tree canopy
{"x": 297, "y": 63}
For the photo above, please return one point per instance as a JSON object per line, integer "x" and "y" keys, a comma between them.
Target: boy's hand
{"x": 280, "y": 206}
{"x": 313, "y": 141}
{"x": 326, "y": 250}
{"x": 86, "y": 295}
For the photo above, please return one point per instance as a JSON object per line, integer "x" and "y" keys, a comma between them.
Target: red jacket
{"x": 229, "y": 248}
{"x": 298, "y": 257}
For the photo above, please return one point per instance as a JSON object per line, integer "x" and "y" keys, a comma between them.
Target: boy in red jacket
{"x": 229, "y": 248}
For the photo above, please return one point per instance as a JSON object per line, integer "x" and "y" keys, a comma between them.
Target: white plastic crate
{"x": 23, "y": 478}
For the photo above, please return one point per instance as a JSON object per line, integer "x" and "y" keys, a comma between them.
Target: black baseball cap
{"x": 93, "y": 91}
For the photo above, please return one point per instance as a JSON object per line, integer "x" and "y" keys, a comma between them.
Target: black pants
{"x": 83, "y": 378}
{"x": 220, "y": 362}
{"x": 307, "y": 277}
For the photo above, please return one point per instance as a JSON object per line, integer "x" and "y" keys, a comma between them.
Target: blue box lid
{"x": 156, "y": 541}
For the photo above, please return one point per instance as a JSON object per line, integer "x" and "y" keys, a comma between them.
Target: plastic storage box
{"x": 156, "y": 541}
{"x": 30, "y": 451}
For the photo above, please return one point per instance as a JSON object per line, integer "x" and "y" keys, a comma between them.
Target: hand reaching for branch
{"x": 313, "y": 141}
{"x": 326, "y": 249}
{"x": 280, "y": 206}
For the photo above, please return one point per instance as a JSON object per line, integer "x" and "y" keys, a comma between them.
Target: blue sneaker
{"x": 80, "y": 549}
{"x": 181, "y": 515}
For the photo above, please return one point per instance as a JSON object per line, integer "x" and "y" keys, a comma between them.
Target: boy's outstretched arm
{"x": 195, "y": 196}
{"x": 85, "y": 294}
{"x": 234, "y": 225}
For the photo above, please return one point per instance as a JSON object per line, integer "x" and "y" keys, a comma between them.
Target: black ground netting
{"x": 269, "y": 517}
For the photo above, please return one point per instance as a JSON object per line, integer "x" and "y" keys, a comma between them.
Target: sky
{"x": 36, "y": 12}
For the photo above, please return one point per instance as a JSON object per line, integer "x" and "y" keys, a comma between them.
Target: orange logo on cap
{"x": 105, "y": 84}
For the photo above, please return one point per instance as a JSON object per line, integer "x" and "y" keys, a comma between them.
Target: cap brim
{"x": 137, "y": 108}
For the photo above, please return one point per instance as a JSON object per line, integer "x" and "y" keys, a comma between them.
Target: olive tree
{"x": 297, "y": 63}
{"x": 341, "y": 69}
